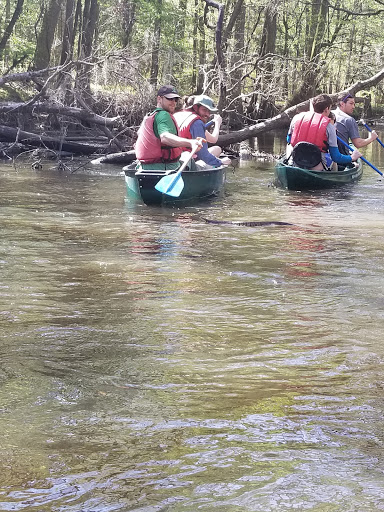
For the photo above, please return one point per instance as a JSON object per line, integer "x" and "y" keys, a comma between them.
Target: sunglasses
{"x": 171, "y": 99}
{"x": 346, "y": 97}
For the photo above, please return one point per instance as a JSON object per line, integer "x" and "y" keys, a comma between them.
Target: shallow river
{"x": 152, "y": 362}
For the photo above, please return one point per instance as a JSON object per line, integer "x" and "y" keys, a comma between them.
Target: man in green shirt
{"x": 158, "y": 140}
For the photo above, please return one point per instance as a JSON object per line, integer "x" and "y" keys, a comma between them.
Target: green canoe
{"x": 295, "y": 178}
{"x": 198, "y": 184}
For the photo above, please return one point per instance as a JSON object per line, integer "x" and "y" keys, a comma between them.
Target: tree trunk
{"x": 202, "y": 53}
{"x": 10, "y": 26}
{"x": 195, "y": 48}
{"x": 31, "y": 139}
{"x": 220, "y": 58}
{"x": 156, "y": 46}
{"x": 267, "y": 107}
{"x": 236, "y": 110}
{"x": 128, "y": 19}
{"x": 314, "y": 42}
{"x": 68, "y": 32}
{"x": 86, "y": 42}
{"x": 46, "y": 35}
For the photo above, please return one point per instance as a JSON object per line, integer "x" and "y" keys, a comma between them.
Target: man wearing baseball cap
{"x": 158, "y": 139}
{"x": 191, "y": 122}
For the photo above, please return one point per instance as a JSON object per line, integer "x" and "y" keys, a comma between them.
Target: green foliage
{"x": 19, "y": 47}
{"x": 317, "y": 45}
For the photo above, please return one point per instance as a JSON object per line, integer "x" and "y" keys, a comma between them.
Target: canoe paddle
{"x": 173, "y": 184}
{"x": 369, "y": 129}
{"x": 363, "y": 159}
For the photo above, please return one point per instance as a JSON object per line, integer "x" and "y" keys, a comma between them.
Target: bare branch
{"x": 26, "y": 76}
{"x": 354, "y": 13}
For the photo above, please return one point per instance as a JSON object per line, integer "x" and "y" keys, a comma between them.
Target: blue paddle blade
{"x": 171, "y": 185}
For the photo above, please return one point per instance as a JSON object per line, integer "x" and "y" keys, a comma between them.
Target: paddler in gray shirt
{"x": 346, "y": 125}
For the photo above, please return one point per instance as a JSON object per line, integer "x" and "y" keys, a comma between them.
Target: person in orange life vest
{"x": 214, "y": 124}
{"x": 158, "y": 138}
{"x": 191, "y": 123}
{"x": 315, "y": 127}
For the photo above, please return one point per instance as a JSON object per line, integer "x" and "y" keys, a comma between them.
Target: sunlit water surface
{"x": 152, "y": 362}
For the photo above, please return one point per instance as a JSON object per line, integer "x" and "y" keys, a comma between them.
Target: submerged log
{"x": 8, "y": 134}
{"x": 125, "y": 157}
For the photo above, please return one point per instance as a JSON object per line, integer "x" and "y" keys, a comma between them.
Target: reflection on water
{"x": 153, "y": 362}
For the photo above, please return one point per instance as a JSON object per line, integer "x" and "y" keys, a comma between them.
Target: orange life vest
{"x": 312, "y": 127}
{"x": 148, "y": 147}
{"x": 184, "y": 119}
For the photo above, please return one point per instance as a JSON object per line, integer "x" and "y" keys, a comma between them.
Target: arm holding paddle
{"x": 336, "y": 156}
{"x": 168, "y": 139}
{"x": 372, "y": 132}
{"x": 363, "y": 159}
{"x": 344, "y": 159}
{"x": 358, "y": 142}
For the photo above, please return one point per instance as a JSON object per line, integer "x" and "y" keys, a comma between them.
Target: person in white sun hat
{"x": 191, "y": 123}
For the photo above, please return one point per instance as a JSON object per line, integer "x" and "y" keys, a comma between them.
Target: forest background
{"x": 95, "y": 65}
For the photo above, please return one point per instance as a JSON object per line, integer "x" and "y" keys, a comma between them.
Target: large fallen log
{"x": 282, "y": 120}
{"x": 27, "y": 76}
{"x": 116, "y": 158}
{"x": 8, "y": 134}
{"x": 53, "y": 108}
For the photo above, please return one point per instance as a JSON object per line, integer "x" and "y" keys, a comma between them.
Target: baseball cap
{"x": 206, "y": 102}
{"x": 168, "y": 91}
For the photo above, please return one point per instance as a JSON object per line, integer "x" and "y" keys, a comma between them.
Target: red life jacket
{"x": 312, "y": 127}
{"x": 184, "y": 119}
{"x": 148, "y": 147}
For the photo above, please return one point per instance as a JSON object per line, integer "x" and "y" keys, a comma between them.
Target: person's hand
{"x": 356, "y": 154}
{"x": 225, "y": 160}
{"x": 217, "y": 119}
{"x": 373, "y": 135}
{"x": 197, "y": 144}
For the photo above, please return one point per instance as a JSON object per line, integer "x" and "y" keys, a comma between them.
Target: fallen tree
{"x": 283, "y": 119}
{"x": 124, "y": 157}
{"x": 72, "y": 114}
{"x": 15, "y": 135}
{"x": 53, "y": 108}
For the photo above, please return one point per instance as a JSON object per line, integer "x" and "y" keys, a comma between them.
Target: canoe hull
{"x": 295, "y": 178}
{"x": 198, "y": 185}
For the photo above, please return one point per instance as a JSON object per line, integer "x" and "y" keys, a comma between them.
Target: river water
{"x": 152, "y": 362}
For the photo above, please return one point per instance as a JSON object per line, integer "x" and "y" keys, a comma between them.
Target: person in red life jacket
{"x": 315, "y": 127}
{"x": 213, "y": 125}
{"x": 158, "y": 140}
{"x": 191, "y": 123}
